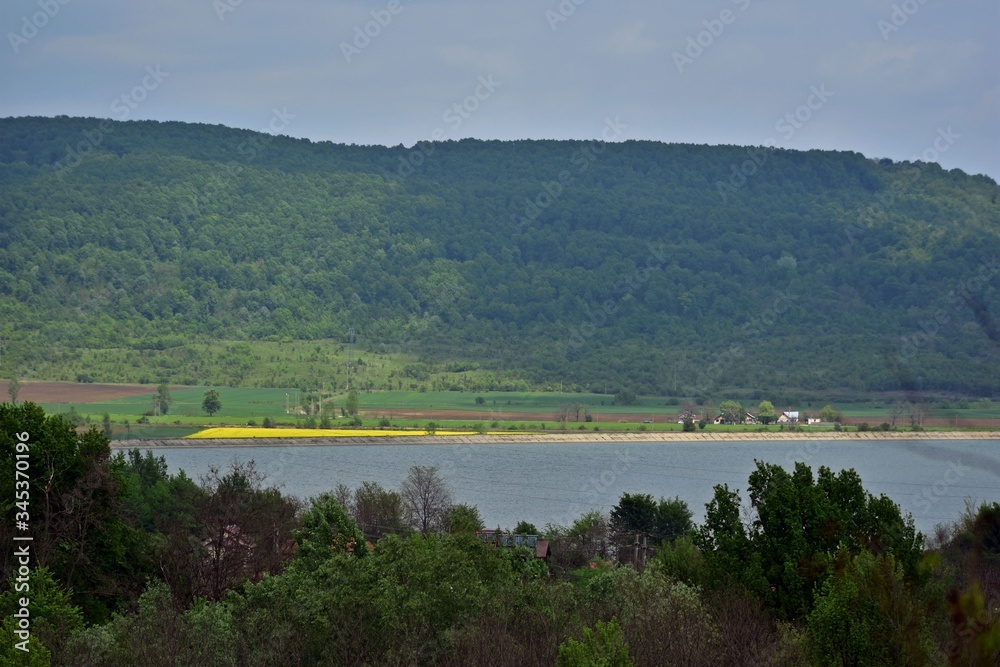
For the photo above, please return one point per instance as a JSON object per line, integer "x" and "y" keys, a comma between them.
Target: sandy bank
{"x": 182, "y": 443}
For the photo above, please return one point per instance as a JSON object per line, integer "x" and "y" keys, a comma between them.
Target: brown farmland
{"x": 72, "y": 392}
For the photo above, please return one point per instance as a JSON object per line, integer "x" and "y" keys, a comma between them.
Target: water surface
{"x": 557, "y": 482}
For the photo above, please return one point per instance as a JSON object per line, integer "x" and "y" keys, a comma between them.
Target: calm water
{"x": 556, "y": 483}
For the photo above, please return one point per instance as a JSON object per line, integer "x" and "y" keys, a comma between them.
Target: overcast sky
{"x": 887, "y": 78}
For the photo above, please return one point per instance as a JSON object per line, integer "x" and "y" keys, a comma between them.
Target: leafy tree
{"x": 426, "y": 499}
{"x": 75, "y": 497}
{"x": 163, "y": 398}
{"x": 673, "y": 519}
{"x": 688, "y": 425}
{"x": 525, "y": 528}
{"x": 602, "y": 646}
{"x": 633, "y": 515}
{"x": 766, "y": 413}
{"x": 830, "y": 414}
{"x": 801, "y": 524}
{"x": 464, "y": 519}
{"x": 106, "y": 423}
{"x": 378, "y": 511}
{"x": 867, "y": 614}
{"x": 327, "y": 529}
{"x": 732, "y": 412}
{"x": 351, "y": 403}
{"x": 212, "y": 402}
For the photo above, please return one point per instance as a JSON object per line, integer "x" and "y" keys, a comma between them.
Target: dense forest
{"x": 131, "y": 565}
{"x": 672, "y": 269}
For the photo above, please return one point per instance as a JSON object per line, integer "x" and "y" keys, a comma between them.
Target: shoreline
{"x": 543, "y": 438}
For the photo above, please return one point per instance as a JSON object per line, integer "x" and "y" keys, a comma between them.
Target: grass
{"x": 243, "y": 406}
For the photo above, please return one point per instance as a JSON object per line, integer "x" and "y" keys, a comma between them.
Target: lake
{"x": 557, "y": 482}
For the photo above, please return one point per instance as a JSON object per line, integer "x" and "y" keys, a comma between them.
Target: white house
{"x": 788, "y": 418}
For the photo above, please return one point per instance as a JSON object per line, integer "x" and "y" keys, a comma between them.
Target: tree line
{"x": 134, "y": 565}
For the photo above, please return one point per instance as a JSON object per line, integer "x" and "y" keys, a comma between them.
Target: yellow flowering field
{"x": 252, "y": 432}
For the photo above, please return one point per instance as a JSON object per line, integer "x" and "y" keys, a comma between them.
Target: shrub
{"x": 885, "y": 426}
{"x": 863, "y": 426}
{"x": 604, "y": 646}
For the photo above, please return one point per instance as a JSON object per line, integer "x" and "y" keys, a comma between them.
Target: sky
{"x": 903, "y": 79}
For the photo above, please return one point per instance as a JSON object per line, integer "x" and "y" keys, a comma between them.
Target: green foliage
{"x": 464, "y": 519}
{"x": 327, "y": 529}
{"x": 829, "y": 414}
{"x": 688, "y": 425}
{"x": 172, "y": 252}
{"x": 351, "y": 403}
{"x": 732, "y": 412}
{"x": 604, "y": 646}
{"x": 75, "y": 496}
{"x": 867, "y": 615}
{"x": 525, "y": 528}
{"x": 801, "y": 524}
{"x": 766, "y": 413}
{"x": 212, "y": 402}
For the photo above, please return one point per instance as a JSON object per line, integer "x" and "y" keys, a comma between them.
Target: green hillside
{"x": 657, "y": 267}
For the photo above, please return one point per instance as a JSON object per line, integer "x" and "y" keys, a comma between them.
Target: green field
{"x": 498, "y": 410}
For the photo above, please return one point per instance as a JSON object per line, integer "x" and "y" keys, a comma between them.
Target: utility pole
{"x": 636, "y": 558}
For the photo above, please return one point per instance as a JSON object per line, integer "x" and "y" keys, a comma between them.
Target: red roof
{"x": 542, "y": 549}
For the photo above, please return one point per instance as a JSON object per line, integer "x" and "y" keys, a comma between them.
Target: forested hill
{"x": 678, "y": 269}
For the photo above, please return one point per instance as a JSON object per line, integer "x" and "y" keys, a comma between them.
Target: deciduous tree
{"x": 426, "y": 498}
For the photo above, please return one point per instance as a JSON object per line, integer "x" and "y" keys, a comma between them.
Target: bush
{"x": 268, "y": 422}
{"x": 384, "y": 422}
{"x": 863, "y": 426}
{"x": 885, "y": 426}
{"x": 604, "y": 646}
{"x": 689, "y": 425}
{"x": 702, "y": 424}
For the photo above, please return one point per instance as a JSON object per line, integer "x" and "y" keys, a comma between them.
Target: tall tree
{"x": 13, "y": 388}
{"x": 766, "y": 413}
{"x": 427, "y": 499}
{"x": 212, "y": 402}
{"x": 732, "y": 412}
{"x": 351, "y": 404}
{"x": 163, "y": 398}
